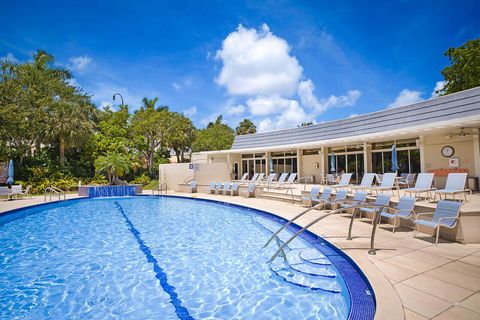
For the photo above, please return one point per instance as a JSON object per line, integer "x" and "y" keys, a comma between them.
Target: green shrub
{"x": 143, "y": 180}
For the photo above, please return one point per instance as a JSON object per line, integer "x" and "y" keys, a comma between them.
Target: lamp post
{"x": 115, "y": 94}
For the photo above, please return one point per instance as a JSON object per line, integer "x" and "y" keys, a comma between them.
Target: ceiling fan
{"x": 462, "y": 133}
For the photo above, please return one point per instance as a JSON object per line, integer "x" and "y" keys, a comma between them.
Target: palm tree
{"x": 115, "y": 165}
{"x": 245, "y": 127}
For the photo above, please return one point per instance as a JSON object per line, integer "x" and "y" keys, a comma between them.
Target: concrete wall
{"x": 177, "y": 173}
{"x": 308, "y": 167}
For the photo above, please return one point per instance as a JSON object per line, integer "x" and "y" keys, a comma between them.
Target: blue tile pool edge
{"x": 360, "y": 309}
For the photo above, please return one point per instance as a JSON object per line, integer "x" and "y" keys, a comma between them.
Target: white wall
{"x": 174, "y": 174}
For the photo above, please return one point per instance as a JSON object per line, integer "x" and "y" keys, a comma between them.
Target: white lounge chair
{"x": 218, "y": 187}
{"x": 446, "y": 215}
{"x": 313, "y": 195}
{"x": 366, "y": 183}
{"x": 340, "y": 196}
{"x": 5, "y": 192}
{"x": 455, "y": 185}
{"x": 403, "y": 210}
{"x": 282, "y": 179}
{"x": 387, "y": 184}
{"x": 344, "y": 181}
{"x": 193, "y": 186}
{"x": 251, "y": 190}
{"x": 422, "y": 185}
{"x": 260, "y": 178}
{"x": 16, "y": 190}
{"x": 359, "y": 198}
{"x": 243, "y": 178}
{"x": 406, "y": 180}
{"x": 254, "y": 178}
{"x": 270, "y": 179}
{"x": 329, "y": 179}
{"x": 324, "y": 198}
{"x": 233, "y": 190}
{"x": 382, "y": 200}
{"x": 213, "y": 186}
{"x": 223, "y": 189}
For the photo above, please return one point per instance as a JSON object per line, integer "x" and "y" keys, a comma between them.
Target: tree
{"x": 464, "y": 71}
{"x": 181, "y": 136}
{"x": 305, "y": 124}
{"x": 216, "y": 136}
{"x": 150, "y": 128}
{"x": 114, "y": 165}
{"x": 245, "y": 127}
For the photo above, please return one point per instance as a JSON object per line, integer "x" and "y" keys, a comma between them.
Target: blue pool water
{"x": 168, "y": 258}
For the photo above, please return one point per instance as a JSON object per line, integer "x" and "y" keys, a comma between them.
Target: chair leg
{"x": 438, "y": 234}
{"x": 394, "y": 223}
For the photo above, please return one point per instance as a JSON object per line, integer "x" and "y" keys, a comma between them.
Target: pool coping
{"x": 388, "y": 303}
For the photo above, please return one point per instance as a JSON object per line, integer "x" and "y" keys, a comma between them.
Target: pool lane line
{"x": 181, "y": 311}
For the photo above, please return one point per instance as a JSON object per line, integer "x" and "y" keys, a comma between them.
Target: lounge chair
{"x": 359, "y": 198}
{"x": 223, "y": 189}
{"x": 243, "y": 178}
{"x": 446, "y": 215}
{"x": 16, "y": 190}
{"x": 251, "y": 190}
{"x": 387, "y": 184}
{"x": 27, "y": 191}
{"x": 329, "y": 179}
{"x": 291, "y": 179}
{"x": 254, "y": 178}
{"x": 383, "y": 200}
{"x": 233, "y": 190}
{"x": 218, "y": 187}
{"x": 340, "y": 196}
{"x": 455, "y": 185}
{"x": 313, "y": 195}
{"x": 378, "y": 179}
{"x": 282, "y": 179}
{"x": 406, "y": 180}
{"x": 324, "y": 198}
{"x": 193, "y": 186}
{"x": 213, "y": 187}
{"x": 403, "y": 210}
{"x": 5, "y": 192}
{"x": 270, "y": 179}
{"x": 366, "y": 183}
{"x": 344, "y": 181}
{"x": 260, "y": 178}
{"x": 422, "y": 185}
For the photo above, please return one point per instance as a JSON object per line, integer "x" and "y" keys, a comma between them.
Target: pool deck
{"x": 412, "y": 278}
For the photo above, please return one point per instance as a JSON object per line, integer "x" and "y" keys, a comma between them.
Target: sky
{"x": 278, "y": 63}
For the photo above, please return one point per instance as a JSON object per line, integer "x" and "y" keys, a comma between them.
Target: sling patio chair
{"x": 406, "y": 180}
{"x": 233, "y": 190}
{"x": 223, "y": 190}
{"x": 387, "y": 184}
{"x": 313, "y": 195}
{"x": 422, "y": 185}
{"x": 366, "y": 183}
{"x": 340, "y": 196}
{"x": 193, "y": 186}
{"x": 455, "y": 185}
{"x": 213, "y": 187}
{"x": 446, "y": 215}
{"x": 344, "y": 181}
{"x": 382, "y": 200}
{"x": 403, "y": 210}
{"x": 358, "y": 198}
{"x": 324, "y": 198}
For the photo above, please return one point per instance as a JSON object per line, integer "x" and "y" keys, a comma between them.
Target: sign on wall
{"x": 453, "y": 162}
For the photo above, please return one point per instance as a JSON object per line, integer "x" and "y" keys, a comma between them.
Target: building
{"x": 439, "y": 135}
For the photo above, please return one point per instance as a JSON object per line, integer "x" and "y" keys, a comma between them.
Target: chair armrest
{"x": 424, "y": 214}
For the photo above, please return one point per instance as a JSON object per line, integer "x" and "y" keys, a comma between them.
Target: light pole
{"x": 118, "y": 95}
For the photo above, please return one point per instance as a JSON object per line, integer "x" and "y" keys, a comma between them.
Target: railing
{"x": 306, "y": 179}
{"x": 355, "y": 208}
{"x": 160, "y": 189}
{"x": 54, "y": 190}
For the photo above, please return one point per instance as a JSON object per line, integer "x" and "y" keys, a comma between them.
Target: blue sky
{"x": 278, "y": 63}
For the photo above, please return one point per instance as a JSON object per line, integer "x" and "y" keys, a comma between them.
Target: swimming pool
{"x": 168, "y": 258}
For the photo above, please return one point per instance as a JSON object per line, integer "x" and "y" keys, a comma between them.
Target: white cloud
{"x": 80, "y": 63}
{"x": 176, "y": 86}
{"x": 236, "y": 110}
{"x": 257, "y": 63}
{"x": 353, "y": 115}
{"x": 438, "y": 87}
{"x": 291, "y": 117}
{"x": 406, "y": 97}
{"x": 305, "y": 92}
{"x": 261, "y": 106}
{"x": 190, "y": 112}
{"x": 10, "y": 58}
{"x": 102, "y": 94}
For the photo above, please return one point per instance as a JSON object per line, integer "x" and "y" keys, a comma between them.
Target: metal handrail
{"x": 160, "y": 189}
{"x": 355, "y": 208}
{"x": 54, "y": 190}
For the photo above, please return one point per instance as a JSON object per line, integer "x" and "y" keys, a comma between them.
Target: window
{"x": 310, "y": 152}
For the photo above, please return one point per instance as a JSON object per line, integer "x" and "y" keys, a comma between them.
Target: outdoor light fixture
{"x": 120, "y": 97}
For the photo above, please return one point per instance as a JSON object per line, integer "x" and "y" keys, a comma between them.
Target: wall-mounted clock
{"x": 448, "y": 151}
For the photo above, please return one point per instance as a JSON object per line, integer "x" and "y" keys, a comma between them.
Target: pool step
{"x": 284, "y": 270}
{"x": 300, "y": 265}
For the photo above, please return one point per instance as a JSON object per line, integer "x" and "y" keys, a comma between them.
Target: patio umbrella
{"x": 10, "y": 172}
{"x": 394, "y": 159}
{"x": 270, "y": 163}
{"x": 333, "y": 161}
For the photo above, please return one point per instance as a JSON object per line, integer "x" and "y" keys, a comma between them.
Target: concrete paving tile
{"x": 419, "y": 302}
{"x": 395, "y": 272}
{"x": 453, "y": 250}
{"x": 455, "y": 278}
{"x": 472, "y": 303}
{"x": 410, "y": 315}
{"x": 464, "y": 268}
{"x": 438, "y": 288}
{"x": 458, "y": 313}
{"x": 413, "y": 264}
{"x": 474, "y": 260}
